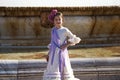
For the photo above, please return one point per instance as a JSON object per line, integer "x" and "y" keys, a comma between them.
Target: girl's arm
{"x": 73, "y": 39}
{"x": 65, "y": 45}
{"x": 47, "y": 56}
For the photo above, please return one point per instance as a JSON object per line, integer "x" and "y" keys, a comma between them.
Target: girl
{"x": 59, "y": 67}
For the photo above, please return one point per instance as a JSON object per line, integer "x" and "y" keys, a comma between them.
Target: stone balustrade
{"x": 84, "y": 68}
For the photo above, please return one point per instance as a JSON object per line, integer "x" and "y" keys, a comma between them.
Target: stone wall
{"x": 22, "y": 31}
{"x": 28, "y": 26}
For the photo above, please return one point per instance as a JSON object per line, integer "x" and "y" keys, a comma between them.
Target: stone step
{"x": 9, "y": 47}
{"x": 84, "y": 68}
{"x": 45, "y": 41}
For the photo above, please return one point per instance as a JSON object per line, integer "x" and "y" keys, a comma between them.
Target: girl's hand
{"x": 47, "y": 58}
{"x": 65, "y": 45}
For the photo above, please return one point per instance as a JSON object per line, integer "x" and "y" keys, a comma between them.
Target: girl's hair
{"x": 53, "y": 14}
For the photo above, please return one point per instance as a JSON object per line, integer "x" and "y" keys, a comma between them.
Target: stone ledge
{"x": 37, "y": 11}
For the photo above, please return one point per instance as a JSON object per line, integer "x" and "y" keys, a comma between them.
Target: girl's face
{"x": 58, "y": 21}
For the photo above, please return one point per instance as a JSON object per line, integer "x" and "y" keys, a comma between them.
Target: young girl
{"x": 59, "y": 67}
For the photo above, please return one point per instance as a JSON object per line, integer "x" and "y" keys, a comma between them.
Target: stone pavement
{"x": 84, "y": 68}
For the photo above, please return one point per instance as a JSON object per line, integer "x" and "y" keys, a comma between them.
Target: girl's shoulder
{"x": 65, "y": 28}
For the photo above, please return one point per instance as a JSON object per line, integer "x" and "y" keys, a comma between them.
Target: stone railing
{"x": 85, "y": 69}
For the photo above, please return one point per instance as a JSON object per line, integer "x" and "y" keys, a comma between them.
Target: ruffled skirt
{"x": 53, "y": 72}
{"x": 58, "y": 76}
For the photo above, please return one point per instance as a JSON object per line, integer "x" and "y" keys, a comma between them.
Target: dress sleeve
{"x": 72, "y": 38}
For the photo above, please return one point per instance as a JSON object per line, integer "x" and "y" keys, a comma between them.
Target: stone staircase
{"x": 84, "y": 68}
{"x": 44, "y": 41}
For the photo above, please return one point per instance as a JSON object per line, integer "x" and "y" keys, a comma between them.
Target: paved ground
{"x": 37, "y": 53}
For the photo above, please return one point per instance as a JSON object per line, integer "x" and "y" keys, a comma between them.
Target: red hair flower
{"x": 52, "y": 15}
